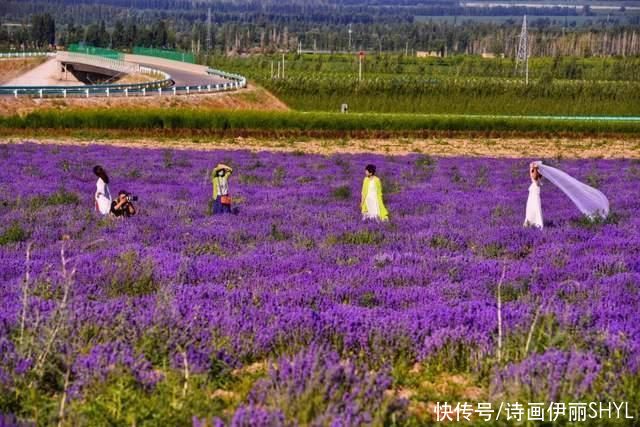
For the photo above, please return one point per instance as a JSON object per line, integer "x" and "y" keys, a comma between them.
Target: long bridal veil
{"x": 589, "y": 200}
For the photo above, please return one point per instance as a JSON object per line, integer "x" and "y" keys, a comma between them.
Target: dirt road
{"x": 46, "y": 74}
{"x": 507, "y": 148}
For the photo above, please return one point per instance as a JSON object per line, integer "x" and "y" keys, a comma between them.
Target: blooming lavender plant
{"x": 177, "y": 290}
{"x": 551, "y": 375}
{"x": 315, "y": 387}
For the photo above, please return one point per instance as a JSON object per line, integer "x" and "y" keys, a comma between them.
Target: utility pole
{"x": 209, "y": 30}
{"x": 360, "y": 58}
{"x": 350, "y": 37}
{"x": 283, "y": 65}
{"x": 522, "y": 57}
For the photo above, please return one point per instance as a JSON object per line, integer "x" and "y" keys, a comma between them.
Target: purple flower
{"x": 550, "y": 376}
{"x": 297, "y": 277}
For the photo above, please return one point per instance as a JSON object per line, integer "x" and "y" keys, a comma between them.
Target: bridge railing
{"x": 99, "y": 61}
{"x": 173, "y": 55}
{"x": 95, "y": 51}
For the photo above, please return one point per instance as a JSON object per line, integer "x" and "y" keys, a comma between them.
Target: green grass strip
{"x": 162, "y": 119}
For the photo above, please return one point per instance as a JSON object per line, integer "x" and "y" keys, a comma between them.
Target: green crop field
{"x": 300, "y": 122}
{"x": 456, "y": 85}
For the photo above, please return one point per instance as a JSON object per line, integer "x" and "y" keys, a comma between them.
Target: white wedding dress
{"x": 103, "y": 197}
{"x": 534, "y": 207}
{"x": 373, "y": 210}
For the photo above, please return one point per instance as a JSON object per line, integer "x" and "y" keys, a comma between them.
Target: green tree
{"x": 131, "y": 33}
{"x": 104, "y": 36}
{"x": 43, "y": 30}
{"x": 92, "y": 35}
{"x": 159, "y": 34}
{"x": 119, "y": 36}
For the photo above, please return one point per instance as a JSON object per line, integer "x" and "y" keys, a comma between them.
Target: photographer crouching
{"x": 123, "y": 205}
{"x": 220, "y": 181}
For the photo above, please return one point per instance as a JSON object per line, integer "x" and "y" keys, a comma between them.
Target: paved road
{"x": 184, "y": 74}
{"x": 187, "y": 78}
{"x": 47, "y": 74}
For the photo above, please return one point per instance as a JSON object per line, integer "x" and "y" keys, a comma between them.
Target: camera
{"x": 131, "y": 198}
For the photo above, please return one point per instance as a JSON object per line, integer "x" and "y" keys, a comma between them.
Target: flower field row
{"x": 294, "y": 310}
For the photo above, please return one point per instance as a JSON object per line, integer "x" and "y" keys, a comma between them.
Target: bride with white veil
{"x": 533, "y": 216}
{"x": 590, "y": 201}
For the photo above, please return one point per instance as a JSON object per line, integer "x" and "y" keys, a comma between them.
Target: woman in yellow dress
{"x": 371, "y": 202}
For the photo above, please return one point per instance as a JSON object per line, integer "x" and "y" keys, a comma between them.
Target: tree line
{"x": 444, "y": 38}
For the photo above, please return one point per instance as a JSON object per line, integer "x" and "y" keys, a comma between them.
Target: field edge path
{"x": 595, "y": 148}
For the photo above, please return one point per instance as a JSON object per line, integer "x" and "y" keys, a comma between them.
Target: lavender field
{"x": 294, "y": 311}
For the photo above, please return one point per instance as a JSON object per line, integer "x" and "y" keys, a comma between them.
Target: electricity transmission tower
{"x": 209, "y": 30}
{"x": 522, "y": 57}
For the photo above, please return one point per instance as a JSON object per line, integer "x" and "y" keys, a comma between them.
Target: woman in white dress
{"x": 590, "y": 201}
{"x": 371, "y": 202}
{"x": 534, "y": 205}
{"x": 102, "y": 196}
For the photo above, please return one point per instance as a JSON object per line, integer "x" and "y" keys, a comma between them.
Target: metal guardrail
{"x": 118, "y": 90}
{"x": 237, "y": 78}
{"x": 91, "y": 91}
{"x": 25, "y": 54}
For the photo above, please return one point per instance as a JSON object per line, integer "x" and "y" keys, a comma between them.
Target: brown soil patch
{"x": 136, "y": 78}
{"x": 479, "y": 147}
{"x": 225, "y": 395}
{"x": 251, "y": 98}
{"x": 12, "y": 68}
{"x": 458, "y": 385}
{"x": 254, "y": 368}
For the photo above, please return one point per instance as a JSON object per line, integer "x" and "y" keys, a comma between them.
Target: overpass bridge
{"x": 83, "y": 66}
{"x": 72, "y": 74}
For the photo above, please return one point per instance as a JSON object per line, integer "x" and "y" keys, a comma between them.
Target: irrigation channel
{"x": 586, "y": 118}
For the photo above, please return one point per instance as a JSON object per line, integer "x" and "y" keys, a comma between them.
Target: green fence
{"x": 97, "y": 51}
{"x": 166, "y": 54}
